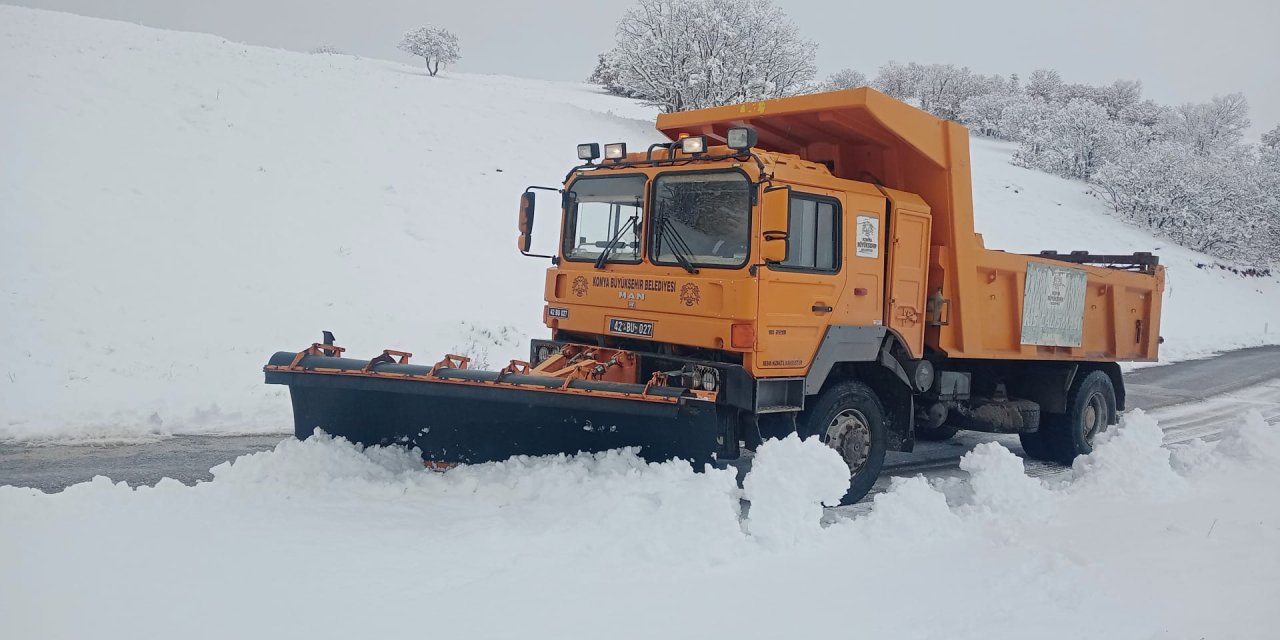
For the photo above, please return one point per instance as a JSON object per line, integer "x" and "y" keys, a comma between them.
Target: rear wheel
{"x": 848, "y": 417}
{"x": 1091, "y": 406}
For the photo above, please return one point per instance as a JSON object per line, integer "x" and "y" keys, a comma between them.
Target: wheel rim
{"x": 1095, "y": 416}
{"x": 850, "y": 435}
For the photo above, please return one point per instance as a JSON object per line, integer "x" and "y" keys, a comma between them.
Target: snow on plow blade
{"x": 460, "y": 415}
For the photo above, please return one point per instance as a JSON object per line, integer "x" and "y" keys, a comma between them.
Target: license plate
{"x": 631, "y": 327}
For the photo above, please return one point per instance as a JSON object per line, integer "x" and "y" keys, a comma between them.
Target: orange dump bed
{"x": 983, "y": 303}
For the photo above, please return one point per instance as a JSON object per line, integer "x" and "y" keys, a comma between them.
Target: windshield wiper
{"x": 608, "y": 248}
{"x": 679, "y": 248}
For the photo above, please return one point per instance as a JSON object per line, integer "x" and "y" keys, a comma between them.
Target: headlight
{"x": 741, "y": 138}
{"x": 694, "y": 145}
{"x": 589, "y": 151}
{"x": 615, "y": 151}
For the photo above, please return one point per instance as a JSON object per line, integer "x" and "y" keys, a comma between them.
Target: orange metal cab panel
{"x": 864, "y": 135}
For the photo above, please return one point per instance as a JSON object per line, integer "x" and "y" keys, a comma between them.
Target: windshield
{"x": 701, "y": 219}
{"x": 601, "y": 210}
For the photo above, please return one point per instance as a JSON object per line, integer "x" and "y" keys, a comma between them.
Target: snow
{"x": 177, "y": 207}
{"x": 320, "y": 539}
{"x": 790, "y": 481}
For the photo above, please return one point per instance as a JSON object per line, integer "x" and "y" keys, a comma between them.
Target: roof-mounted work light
{"x": 741, "y": 138}
{"x": 694, "y": 145}
{"x": 615, "y": 151}
{"x": 589, "y": 151}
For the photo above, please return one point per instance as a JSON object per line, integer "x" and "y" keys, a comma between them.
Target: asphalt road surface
{"x": 189, "y": 458}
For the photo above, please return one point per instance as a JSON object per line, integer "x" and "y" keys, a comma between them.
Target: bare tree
{"x": 438, "y": 47}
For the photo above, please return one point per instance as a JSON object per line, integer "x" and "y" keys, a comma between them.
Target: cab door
{"x": 800, "y": 295}
{"x": 908, "y": 273}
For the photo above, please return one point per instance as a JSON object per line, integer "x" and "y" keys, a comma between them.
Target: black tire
{"x": 1091, "y": 408}
{"x": 861, "y": 419}
{"x": 937, "y": 434}
{"x": 1033, "y": 444}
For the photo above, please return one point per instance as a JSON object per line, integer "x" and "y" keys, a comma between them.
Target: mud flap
{"x": 482, "y": 423}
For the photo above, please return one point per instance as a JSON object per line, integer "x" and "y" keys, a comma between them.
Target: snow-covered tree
{"x": 680, "y": 55}
{"x": 327, "y": 49}
{"x": 1271, "y": 139}
{"x": 942, "y": 87}
{"x": 1121, "y": 95}
{"x": 606, "y": 76}
{"x": 1216, "y": 204}
{"x": 1216, "y": 125}
{"x": 985, "y": 114}
{"x": 897, "y": 80}
{"x": 438, "y": 47}
{"x": 844, "y": 79}
{"x": 1075, "y": 141}
{"x": 1045, "y": 84}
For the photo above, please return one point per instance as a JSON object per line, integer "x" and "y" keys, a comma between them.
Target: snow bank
{"x": 790, "y": 480}
{"x": 177, "y": 207}
{"x": 1252, "y": 440}
{"x": 324, "y": 540}
{"x": 1001, "y": 487}
{"x": 1130, "y": 459}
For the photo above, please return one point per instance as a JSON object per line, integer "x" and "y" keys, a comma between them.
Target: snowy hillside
{"x": 176, "y": 207}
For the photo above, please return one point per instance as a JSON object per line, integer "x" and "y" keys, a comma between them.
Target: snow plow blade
{"x": 456, "y": 415}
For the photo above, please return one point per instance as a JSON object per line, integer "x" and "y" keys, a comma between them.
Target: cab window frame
{"x": 571, "y": 218}
{"x": 837, "y": 234}
{"x": 652, "y": 206}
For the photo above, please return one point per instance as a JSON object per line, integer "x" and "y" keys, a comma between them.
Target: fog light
{"x": 541, "y": 354}
{"x": 710, "y": 379}
{"x": 694, "y": 145}
{"x": 589, "y": 151}
{"x": 615, "y": 151}
{"x": 741, "y": 138}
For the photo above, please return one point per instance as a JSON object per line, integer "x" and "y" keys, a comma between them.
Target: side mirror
{"x": 526, "y": 221}
{"x": 775, "y": 217}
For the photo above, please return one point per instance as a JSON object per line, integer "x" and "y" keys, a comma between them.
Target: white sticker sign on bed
{"x": 1053, "y": 306}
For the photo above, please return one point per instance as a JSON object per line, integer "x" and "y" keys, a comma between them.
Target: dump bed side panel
{"x": 1028, "y": 308}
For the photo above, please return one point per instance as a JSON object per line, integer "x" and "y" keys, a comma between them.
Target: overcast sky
{"x": 1181, "y": 50}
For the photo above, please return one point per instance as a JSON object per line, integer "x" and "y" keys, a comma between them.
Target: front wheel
{"x": 848, "y": 417}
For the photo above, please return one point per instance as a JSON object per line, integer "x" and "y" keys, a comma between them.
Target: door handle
{"x": 820, "y": 308}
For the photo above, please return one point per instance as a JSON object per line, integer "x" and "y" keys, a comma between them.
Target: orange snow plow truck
{"x": 805, "y": 264}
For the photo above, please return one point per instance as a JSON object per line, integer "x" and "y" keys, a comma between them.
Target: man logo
{"x": 690, "y": 295}
{"x": 580, "y": 286}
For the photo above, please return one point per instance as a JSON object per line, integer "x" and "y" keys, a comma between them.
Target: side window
{"x": 813, "y": 234}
